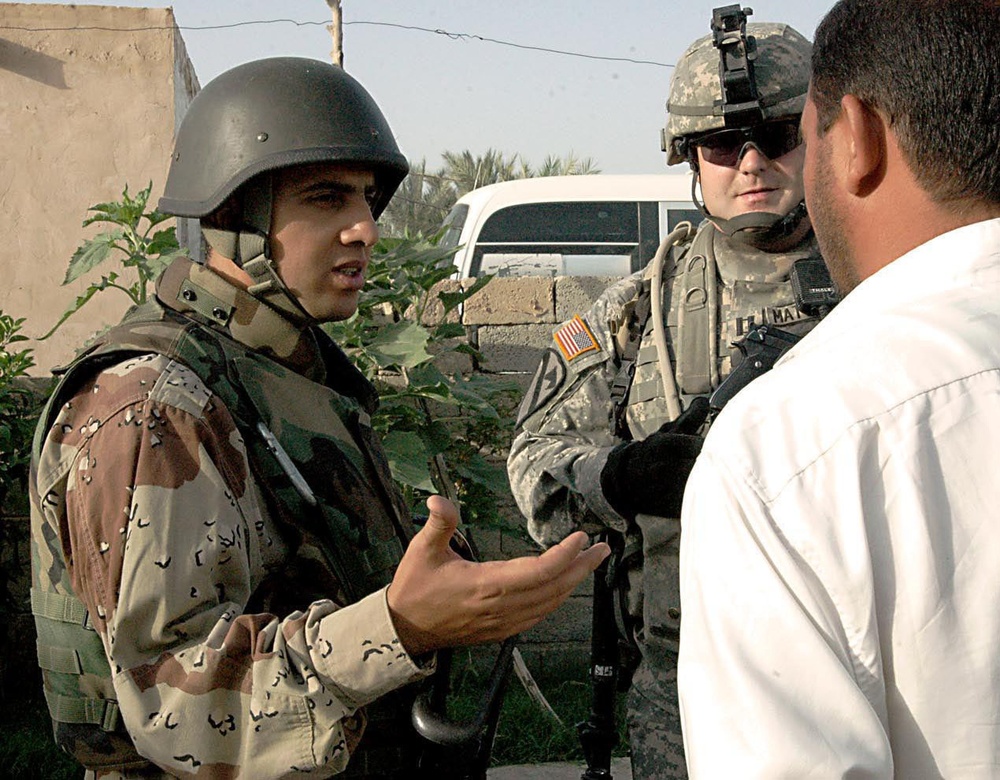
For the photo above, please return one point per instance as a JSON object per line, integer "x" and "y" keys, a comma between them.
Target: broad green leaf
{"x": 482, "y": 472}
{"x": 401, "y": 344}
{"x": 156, "y": 217}
{"x": 449, "y": 330}
{"x": 162, "y": 241}
{"x": 408, "y": 459}
{"x": 91, "y": 254}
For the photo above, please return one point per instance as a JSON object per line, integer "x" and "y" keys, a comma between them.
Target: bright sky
{"x": 452, "y": 90}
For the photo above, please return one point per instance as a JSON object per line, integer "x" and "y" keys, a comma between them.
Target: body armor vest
{"x": 323, "y": 474}
{"x": 715, "y": 292}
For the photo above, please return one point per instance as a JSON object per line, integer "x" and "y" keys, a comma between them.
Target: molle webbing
{"x": 698, "y": 315}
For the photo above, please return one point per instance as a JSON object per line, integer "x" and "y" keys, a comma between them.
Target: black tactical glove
{"x": 648, "y": 476}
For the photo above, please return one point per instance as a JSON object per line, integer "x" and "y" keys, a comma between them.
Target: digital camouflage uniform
{"x": 714, "y": 289}
{"x": 566, "y": 431}
{"x": 242, "y": 641}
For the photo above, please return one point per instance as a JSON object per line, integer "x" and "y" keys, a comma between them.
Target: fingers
{"x": 535, "y": 585}
{"x": 571, "y": 556}
{"x": 531, "y": 595}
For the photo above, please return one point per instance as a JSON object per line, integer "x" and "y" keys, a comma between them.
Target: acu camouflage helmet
{"x": 694, "y": 106}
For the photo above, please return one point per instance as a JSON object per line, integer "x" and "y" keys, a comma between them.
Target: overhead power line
{"x": 436, "y": 31}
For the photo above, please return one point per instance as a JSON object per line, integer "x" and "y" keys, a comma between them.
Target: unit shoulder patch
{"x": 575, "y": 338}
{"x": 548, "y": 379}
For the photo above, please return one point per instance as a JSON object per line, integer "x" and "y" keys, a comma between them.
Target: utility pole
{"x": 336, "y": 33}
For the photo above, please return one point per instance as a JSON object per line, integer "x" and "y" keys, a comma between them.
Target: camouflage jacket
{"x": 236, "y": 646}
{"x": 565, "y": 427}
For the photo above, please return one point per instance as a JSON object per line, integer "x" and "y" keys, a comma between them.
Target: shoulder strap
{"x": 697, "y": 322}
{"x": 634, "y": 324}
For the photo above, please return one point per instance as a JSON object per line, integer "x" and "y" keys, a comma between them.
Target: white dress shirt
{"x": 840, "y": 559}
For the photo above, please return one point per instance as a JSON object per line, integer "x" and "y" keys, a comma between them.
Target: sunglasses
{"x": 727, "y": 147}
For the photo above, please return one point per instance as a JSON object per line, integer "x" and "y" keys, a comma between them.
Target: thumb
{"x": 441, "y": 524}
{"x": 692, "y": 418}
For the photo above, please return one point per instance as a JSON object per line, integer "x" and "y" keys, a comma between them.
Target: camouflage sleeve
{"x": 564, "y": 431}
{"x": 168, "y": 539}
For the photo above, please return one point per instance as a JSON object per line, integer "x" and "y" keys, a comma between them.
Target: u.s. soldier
{"x": 609, "y": 429}
{"x": 226, "y": 582}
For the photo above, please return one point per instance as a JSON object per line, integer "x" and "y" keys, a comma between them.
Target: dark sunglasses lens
{"x": 779, "y": 139}
{"x": 722, "y": 148}
{"x": 773, "y": 140}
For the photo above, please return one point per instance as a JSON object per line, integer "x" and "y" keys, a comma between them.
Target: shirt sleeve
{"x": 169, "y": 540}
{"x": 768, "y": 687}
{"x": 557, "y": 456}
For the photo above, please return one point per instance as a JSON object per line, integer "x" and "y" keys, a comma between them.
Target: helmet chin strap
{"x": 250, "y": 249}
{"x": 760, "y": 229}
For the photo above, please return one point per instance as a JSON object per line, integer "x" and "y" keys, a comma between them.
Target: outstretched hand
{"x": 438, "y": 599}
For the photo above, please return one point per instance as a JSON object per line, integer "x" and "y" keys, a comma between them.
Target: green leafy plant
{"x": 18, "y": 406}
{"x": 136, "y": 245}
{"x": 439, "y": 424}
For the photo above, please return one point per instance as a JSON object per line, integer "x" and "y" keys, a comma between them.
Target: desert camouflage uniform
{"x": 565, "y": 432}
{"x": 237, "y": 647}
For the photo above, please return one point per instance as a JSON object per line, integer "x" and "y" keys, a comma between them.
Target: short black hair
{"x": 932, "y": 68}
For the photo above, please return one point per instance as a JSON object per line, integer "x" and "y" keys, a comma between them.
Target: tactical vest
{"x": 713, "y": 299}
{"x": 323, "y": 474}
{"x": 713, "y": 292}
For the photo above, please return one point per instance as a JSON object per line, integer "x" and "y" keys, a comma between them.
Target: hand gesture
{"x": 438, "y": 599}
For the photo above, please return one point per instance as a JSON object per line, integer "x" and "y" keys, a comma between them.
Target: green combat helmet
{"x": 260, "y": 117}
{"x": 742, "y": 75}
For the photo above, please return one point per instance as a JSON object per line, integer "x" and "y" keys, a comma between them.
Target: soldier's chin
{"x": 344, "y": 309}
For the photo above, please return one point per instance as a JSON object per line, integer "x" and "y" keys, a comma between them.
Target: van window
{"x": 676, "y": 216}
{"x": 583, "y": 222}
{"x": 586, "y": 238}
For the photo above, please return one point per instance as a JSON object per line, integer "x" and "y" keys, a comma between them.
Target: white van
{"x": 593, "y": 225}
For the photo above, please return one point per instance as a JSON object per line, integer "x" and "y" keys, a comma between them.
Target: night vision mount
{"x": 740, "y": 104}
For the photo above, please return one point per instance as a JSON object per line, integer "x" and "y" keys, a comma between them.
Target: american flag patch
{"x": 574, "y": 338}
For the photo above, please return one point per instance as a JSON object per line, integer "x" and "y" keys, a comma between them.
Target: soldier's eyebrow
{"x": 336, "y": 187}
{"x": 327, "y": 185}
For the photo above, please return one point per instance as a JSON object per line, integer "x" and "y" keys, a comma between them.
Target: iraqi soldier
{"x": 219, "y": 578}
{"x": 609, "y": 429}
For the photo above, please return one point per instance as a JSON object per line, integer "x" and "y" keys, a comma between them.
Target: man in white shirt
{"x": 840, "y": 561}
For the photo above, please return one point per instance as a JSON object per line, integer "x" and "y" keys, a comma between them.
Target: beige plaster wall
{"x": 83, "y": 112}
